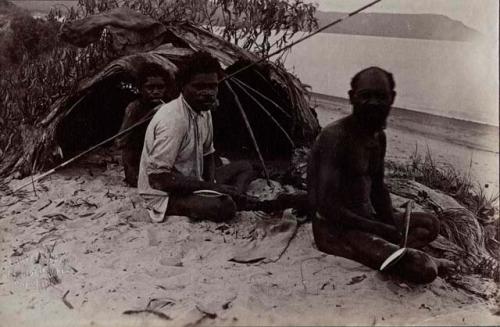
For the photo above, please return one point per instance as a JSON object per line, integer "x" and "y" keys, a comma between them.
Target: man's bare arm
{"x": 380, "y": 196}
{"x": 174, "y": 182}
{"x": 381, "y": 200}
{"x": 209, "y": 168}
{"x": 128, "y": 120}
{"x": 332, "y": 209}
{"x": 329, "y": 202}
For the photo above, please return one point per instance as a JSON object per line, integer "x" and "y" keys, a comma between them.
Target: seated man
{"x": 178, "y": 155}
{"x": 353, "y": 215}
{"x": 152, "y": 83}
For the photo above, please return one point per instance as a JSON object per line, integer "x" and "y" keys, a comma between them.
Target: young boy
{"x": 152, "y": 82}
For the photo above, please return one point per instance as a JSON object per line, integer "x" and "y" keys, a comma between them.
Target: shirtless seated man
{"x": 353, "y": 215}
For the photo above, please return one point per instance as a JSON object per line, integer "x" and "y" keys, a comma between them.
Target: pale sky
{"x": 479, "y": 14}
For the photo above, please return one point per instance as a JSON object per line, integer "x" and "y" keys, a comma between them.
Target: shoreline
{"x": 477, "y": 136}
{"x": 469, "y": 148}
{"x": 346, "y": 101}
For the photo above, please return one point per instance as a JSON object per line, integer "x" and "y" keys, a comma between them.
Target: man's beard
{"x": 371, "y": 117}
{"x": 209, "y": 105}
{"x": 152, "y": 102}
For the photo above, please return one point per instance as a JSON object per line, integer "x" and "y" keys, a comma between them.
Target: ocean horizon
{"x": 473, "y": 135}
{"x": 443, "y": 78}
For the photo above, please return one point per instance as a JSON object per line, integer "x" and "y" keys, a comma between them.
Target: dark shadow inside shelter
{"x": 231, "y": 135}
{"x": 99, "y": 116}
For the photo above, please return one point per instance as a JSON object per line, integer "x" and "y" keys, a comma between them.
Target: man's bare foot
{"x": 445, "y": 267}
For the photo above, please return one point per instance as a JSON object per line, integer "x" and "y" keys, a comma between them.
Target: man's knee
{"x": 219, "y": 209}
{"x": 228, "y": 173}
{"x": 429, "y": 222}
{"x": 322, "y": 237}
{"x": 226, "y": 208}
{"x": 243, "y": 165}
{"x": 239, "y": 168}
{"x": 436, "y": 226}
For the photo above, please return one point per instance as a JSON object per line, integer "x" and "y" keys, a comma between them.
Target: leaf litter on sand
{"x": 117, "y": 266}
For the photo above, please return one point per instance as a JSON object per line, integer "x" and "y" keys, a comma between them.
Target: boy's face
{"x": 153, "y": 89}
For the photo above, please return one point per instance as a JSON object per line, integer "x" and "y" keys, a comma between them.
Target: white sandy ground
{"x": 87, "y": 230}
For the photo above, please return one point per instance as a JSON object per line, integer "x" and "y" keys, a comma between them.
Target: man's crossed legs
{"x": 372, "y": 250}
{"x": 223, "y": 207}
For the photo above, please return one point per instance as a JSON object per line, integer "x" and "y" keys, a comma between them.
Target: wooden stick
{"x": 268, "y": 114}
{"x": 237, "y": 80}
{"x": 335, "y": 22}
{"x": 66, "y": 302}
{"x": 32, "y": 181}
{"x": 33, "y": 184}
{"x": 67, "y": 162}
{"x": 407, "y": 217}
{"x": 250, "y": 131}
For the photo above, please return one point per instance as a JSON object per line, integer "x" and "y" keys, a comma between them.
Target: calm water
{"x": 43, "y": 6}
{"x": 453, "y": 79}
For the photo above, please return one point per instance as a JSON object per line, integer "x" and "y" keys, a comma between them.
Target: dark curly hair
{"x": 153, "y": 70}
{"x": 200, "y": 62}
{"x": 390, "y": 78}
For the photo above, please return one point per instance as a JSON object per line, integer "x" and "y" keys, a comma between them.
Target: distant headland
{"x": 413, "y": 26}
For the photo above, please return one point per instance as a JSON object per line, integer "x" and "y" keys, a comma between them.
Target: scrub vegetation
{"x": 38, "y": 68}
{"x": 425, "y": 170}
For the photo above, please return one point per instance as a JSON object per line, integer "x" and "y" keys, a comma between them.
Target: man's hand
{"x": 227, "y": 189}
{"x": 392, "y": 234}
{"x": 233, "y": 192}
{"x": 242, "y": 200}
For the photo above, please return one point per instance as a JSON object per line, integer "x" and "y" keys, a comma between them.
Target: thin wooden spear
{"x": 67, "y": 162}
{"x": 250, "y": 131}
{"x": 335, "y": 22}
{"x": 239, "y": 81}
{"x": 268, "y": 114}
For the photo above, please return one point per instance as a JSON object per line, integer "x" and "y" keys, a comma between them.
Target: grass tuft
{"x": 446, "y": 178}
